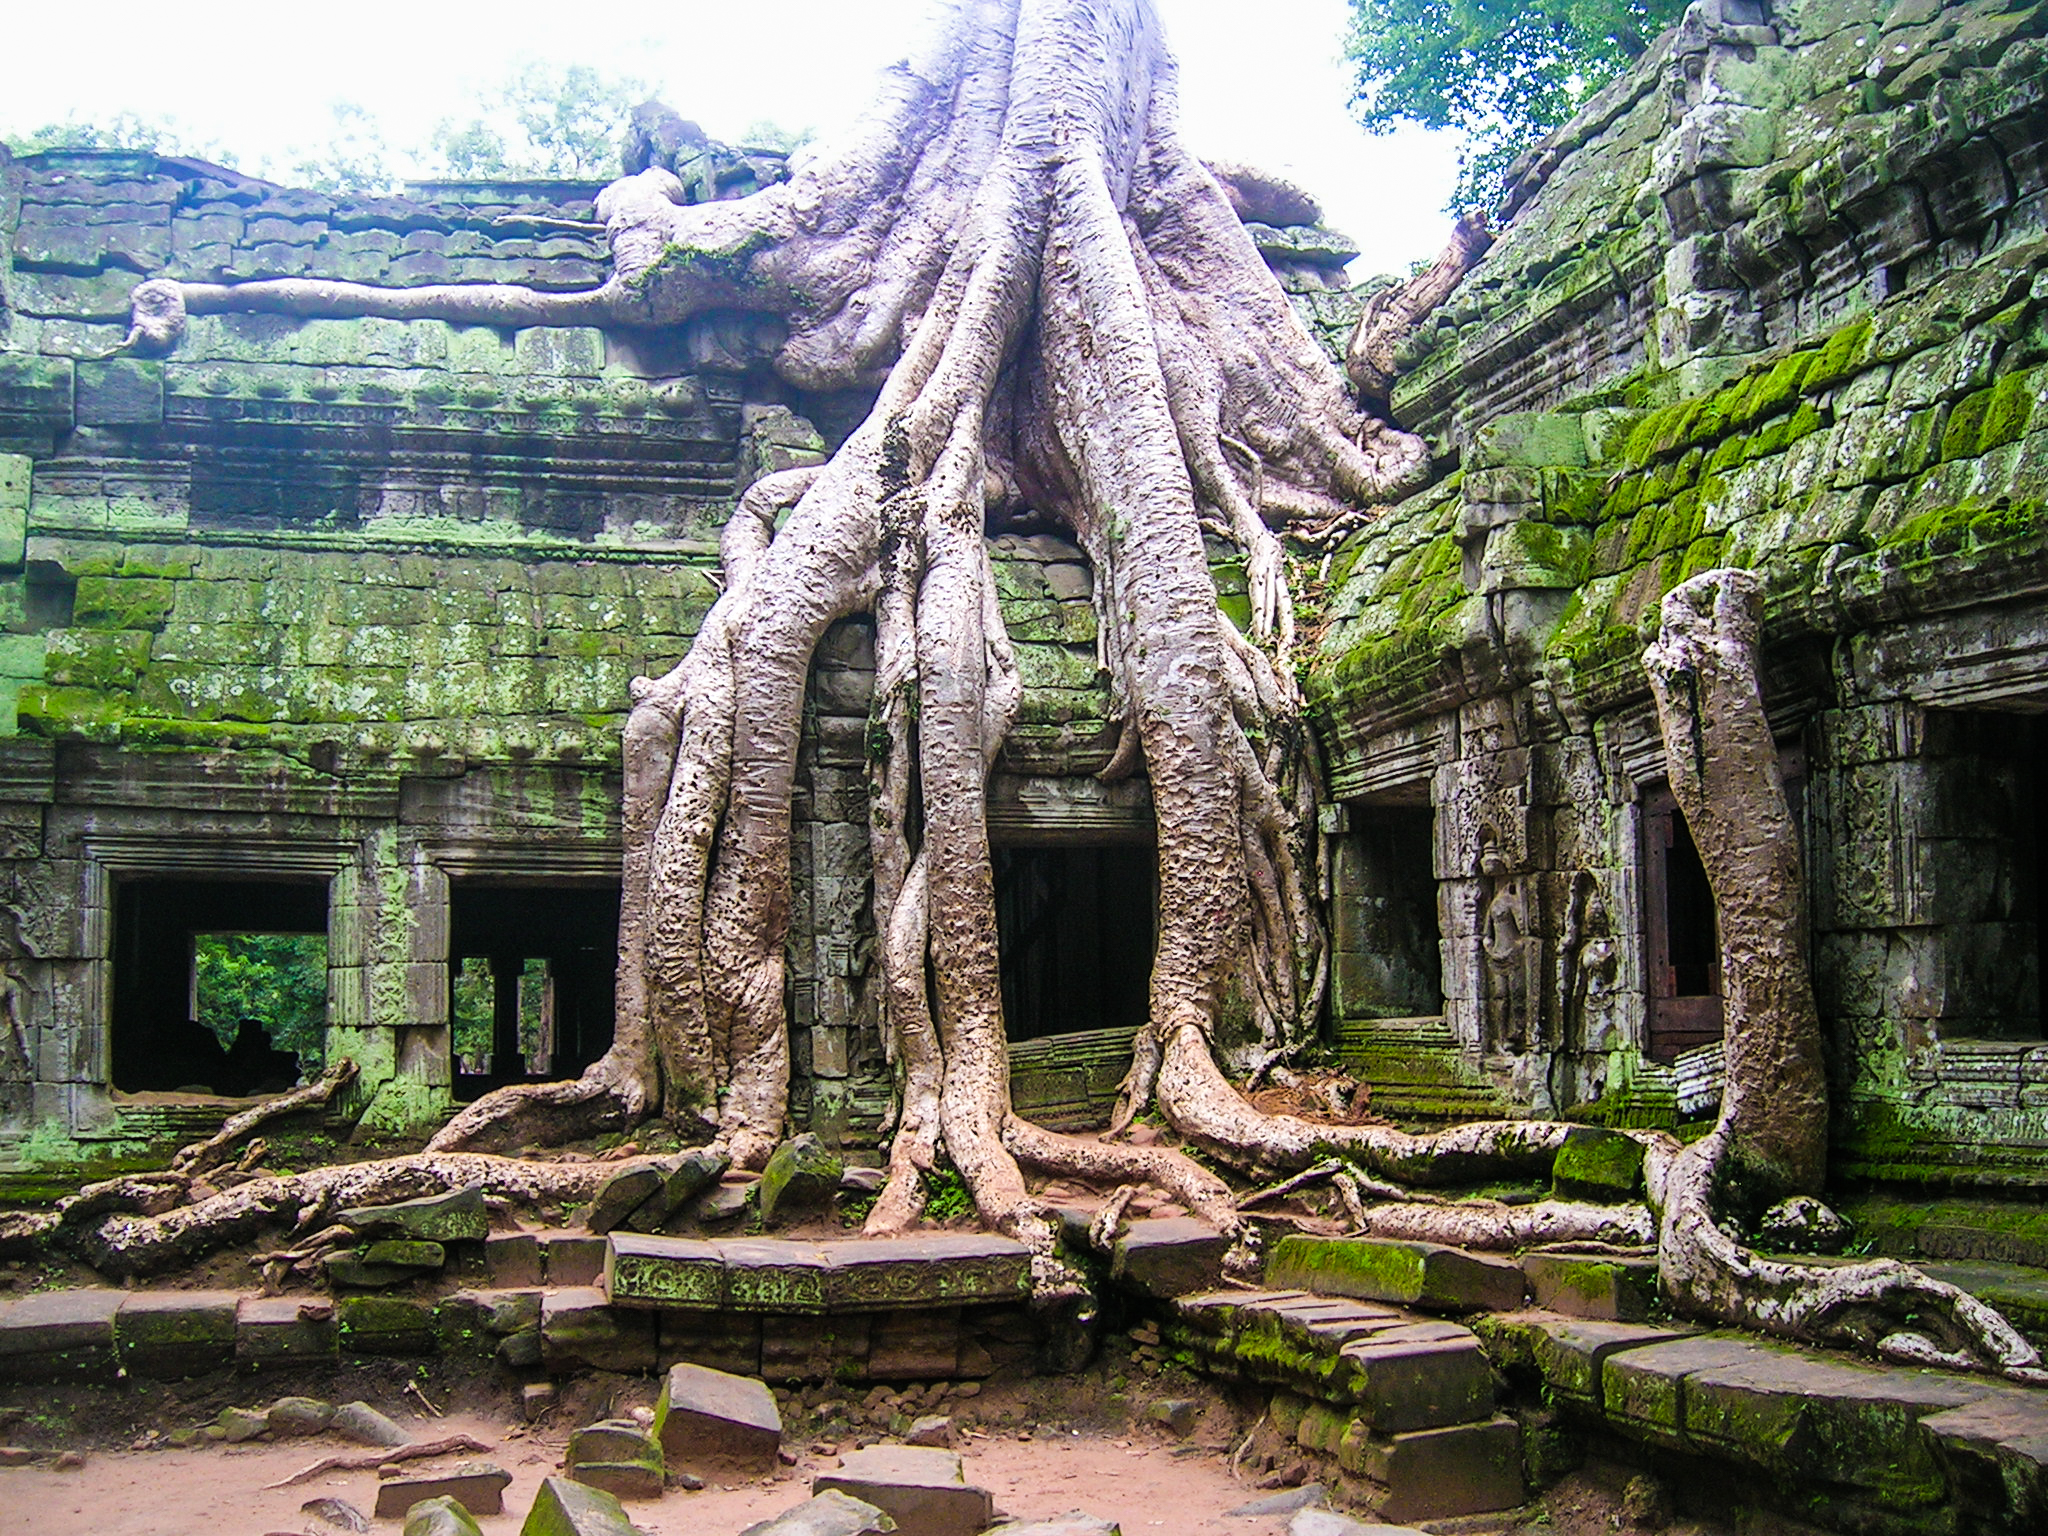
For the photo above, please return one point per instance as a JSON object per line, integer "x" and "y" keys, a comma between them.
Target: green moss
{"x": 1968, "y": 527}
{"x": 1597, "y": 1165}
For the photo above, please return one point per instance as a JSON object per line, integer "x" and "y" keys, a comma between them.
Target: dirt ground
{"x": 1144, "y": 1484}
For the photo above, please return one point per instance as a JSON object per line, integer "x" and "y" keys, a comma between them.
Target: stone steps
{"x": 1403, "y": 1406}
{"x": 1862, "y": 1446}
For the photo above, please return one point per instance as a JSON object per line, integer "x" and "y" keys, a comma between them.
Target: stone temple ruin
{"x": 325, "y": 628}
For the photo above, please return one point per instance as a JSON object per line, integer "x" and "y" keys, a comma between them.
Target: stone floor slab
{"x": 60, "y": 1336}
{"x": 921, "y": 1489}
{"x": 1170, "y": 1256}
{"x": 1428, "y": 1275}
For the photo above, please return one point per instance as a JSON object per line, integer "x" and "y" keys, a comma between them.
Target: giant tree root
{"x": 127, "y": 1242}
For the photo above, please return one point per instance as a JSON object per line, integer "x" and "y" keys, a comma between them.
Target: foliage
{"x": 946, "y": 1194}
{"x": 279, "y": 979}
{"x": 355, "y": 159}
{"x": 1501, "y": 74}
{"x": 124, "y": 130}
{"x": 545, "y": 121}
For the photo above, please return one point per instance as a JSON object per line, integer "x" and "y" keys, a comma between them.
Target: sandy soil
{"x": 1144, "y": 1484}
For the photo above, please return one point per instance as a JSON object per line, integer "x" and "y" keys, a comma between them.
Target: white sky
{"x": 1263, "y": 84}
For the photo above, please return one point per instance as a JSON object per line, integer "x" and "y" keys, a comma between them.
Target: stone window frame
{"x": 427, "y": 1046}
{"x": 110, "y": 857}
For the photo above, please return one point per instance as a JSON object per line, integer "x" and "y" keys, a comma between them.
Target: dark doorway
{"x": 1682, "y": 937}
{"x": 531, "y": 971}
{"x": 1978, "y": 811}
{"x": 1388, "y": 960}
{"x": 219, "y": 985}
{"x": 1075, "y": 925}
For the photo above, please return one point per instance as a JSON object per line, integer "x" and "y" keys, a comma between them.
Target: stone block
{"x": 512, "y": 1258}
{"x": 405, "y": 1253}
{"x": 620, "y": 1196}
{"x": 1643, "y": 1387}
{"x": 120, "y": 392}
{"x": 478, "y": 1486}
{"x": 946, "y": 1269}
{"x": 166, "y": 1334}
{"x": 572, "y": 1258}
{"x": 725, "y": 1341}
{"x": 773, "y": 1275}
{"x": 916, "y": 1345}
{"x": 290, "y": 1417}
{"x": 706, "y": 1417}
{"x": 456, "y": 1217}
{"x": 1415, "y": 1378}
{"x": 1175, "y": 1256}
{"x": 1460, "y": 1469}
{"x": 826, "y": 1514}
{"x": 1595, "y": 1164}
{"x": 386, "y": 1325}
{"x": 564, "y": 1507}
{"x": 578, "y": 1327}
{"x": 682, "y": 1178}
{"x": 921, "y": 1489}
{"x": 801, "y": 1176}
{"x": 1568, "y": 1352}
{"x": 1577, "y": 1285}
{"x": 284, "y": 1331}
{"x": 440, "y": 1517}
{"x": 663, "y": 1272}
{"x": 60, "y": 1336}
{"x": 1409, "y": 1274}
{"x": 364, "y": 1425}
{"x": 618, "y": 1456}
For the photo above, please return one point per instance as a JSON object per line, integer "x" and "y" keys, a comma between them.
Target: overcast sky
{"x": 1263, "y": 84}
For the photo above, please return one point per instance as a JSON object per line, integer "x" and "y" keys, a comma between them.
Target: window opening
{"x": 1075, "y": 930}
{"x": 531, "y": 972}
{"x": 220, "y": 987}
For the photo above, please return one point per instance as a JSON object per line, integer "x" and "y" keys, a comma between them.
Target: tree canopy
{"x": 1501, "y": 72}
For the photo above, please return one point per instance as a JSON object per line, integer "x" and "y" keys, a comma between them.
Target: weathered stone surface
{"x": 621, "y": 1195}
{"x": 826, "y": 1514}
{"x": 1075, "y": 1524}
{"x": 572, "y": 1258}
{"x": 512, "y": 1259}
{"x": 578, "y": 1327}
{"x": 663, "y": 1272}
{"x": 773, "y": 1275}
{"x": 164, "y": 1334}
{"x": 280, "y": 1331}
{"x": 683, "y": 1177}
{"x": 478, "y": 1486}
{"x": 618, "y": 1456}
{"x": 59, "y": 1336}
{"x": 800, "y": 1177}
{"x": 933, "y": 1429}
{"x": 1596, "y": 1164}
{"x": 922, "y": 1490}
{"x": 944, "y": 1269}
{"x": 350, "y": 1271}
{"x": 442, "y": 1516}
{"x": 386, "y": 1325}
{"x": 1460, "y": 1469}
{"x": 239, "y": 1424}
{"x": 405, "y": 1253}
{"x": 292, "y": 1416}
{"x": 1579, "y": 1285}
{"x": 706, "y": 1417}
{"x": 1175, "y": 1413}
{"x": 1175, "y": 1256}
{"x": 456, "y": 1217}
{"x": 1428, "y": 1275}
{"x": 366, "y": 1426}
{"x": 564, "y": 1507}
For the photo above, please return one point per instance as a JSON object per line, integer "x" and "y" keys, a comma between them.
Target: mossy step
{"x": 1431, "y": 1276}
